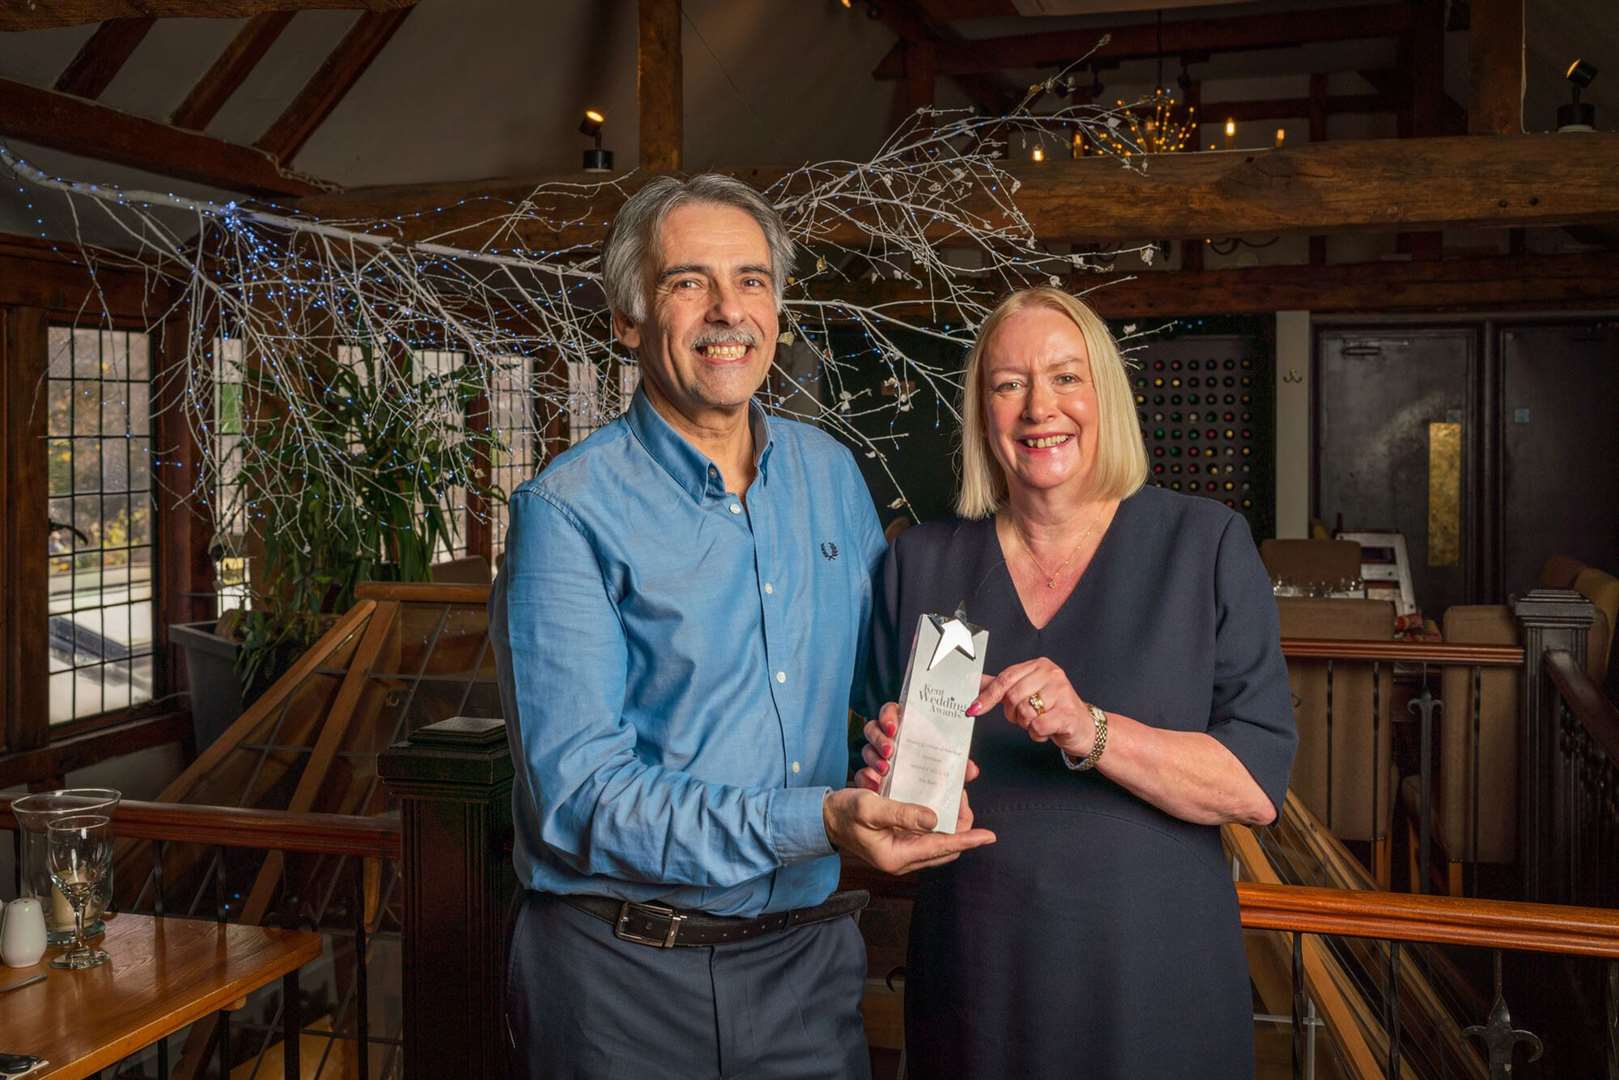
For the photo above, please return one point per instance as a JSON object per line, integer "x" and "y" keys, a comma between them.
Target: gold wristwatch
{"x": 1098, "y": 744}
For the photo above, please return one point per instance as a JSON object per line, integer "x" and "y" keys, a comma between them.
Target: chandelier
{"x": 1155, "y": 127}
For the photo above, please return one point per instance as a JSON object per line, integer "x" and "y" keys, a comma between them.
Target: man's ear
{"x": 627, "y": 332}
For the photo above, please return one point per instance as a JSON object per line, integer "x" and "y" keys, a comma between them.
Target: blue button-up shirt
{"x": 676, "y": 664}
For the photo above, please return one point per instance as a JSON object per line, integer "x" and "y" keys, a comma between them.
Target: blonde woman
{"x": 1139, "y": 700}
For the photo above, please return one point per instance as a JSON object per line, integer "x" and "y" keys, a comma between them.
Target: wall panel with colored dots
{"x": 1205, "y": 397}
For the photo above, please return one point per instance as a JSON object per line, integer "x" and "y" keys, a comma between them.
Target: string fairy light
{"x": 918, "y": 241}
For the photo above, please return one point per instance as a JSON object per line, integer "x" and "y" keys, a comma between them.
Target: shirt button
{"x": 781, "y": 676}
{"x": 769, "y": 588}
{"x": 795, "y": 768}
{"x": 736, "y": 508}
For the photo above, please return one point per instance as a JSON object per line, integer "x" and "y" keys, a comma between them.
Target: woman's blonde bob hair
{"x": 1120, "y": 467}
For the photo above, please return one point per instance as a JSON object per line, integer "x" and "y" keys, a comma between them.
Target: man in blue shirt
{"x": 678, "y": 626}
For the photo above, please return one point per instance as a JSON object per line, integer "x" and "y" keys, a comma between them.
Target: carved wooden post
{"x": 1551, "y": 619}
{"x": 453, "y": 780}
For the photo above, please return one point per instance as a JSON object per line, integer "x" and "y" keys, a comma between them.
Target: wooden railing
{"x": 351, "y": 907}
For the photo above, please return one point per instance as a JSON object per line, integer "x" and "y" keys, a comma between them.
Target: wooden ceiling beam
{"x": 1482, "y": 284}
{"x": 102, "y": 57}
{"x": 234, "y": 65}
{"x": 331, "y": 83}
{"x": 1495, "y": 56}
{"x": 983, "y": 55}
{"x": 919, "y": 38}
{"x": 1389, "y": 83}
{"x": 658, "y": 85}
{"x": 33, "y": 15}
{"x": 64, "y": 122}
{"x": 1365, "y": 185}
{"x": 1296, "y": 108}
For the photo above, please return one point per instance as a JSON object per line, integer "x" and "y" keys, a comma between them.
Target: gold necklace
{"x": 1051, "y": 577}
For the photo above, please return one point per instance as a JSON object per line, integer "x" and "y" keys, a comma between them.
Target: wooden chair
{"x": 1343, "y": 771}
{"x": 1469, "y": 829}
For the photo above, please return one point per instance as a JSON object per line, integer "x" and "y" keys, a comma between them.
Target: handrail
{"x": 1414, "y": 652}
{"x": 1594, "y": 712}
{"x": 1442, "y": 920}
{"x": 230, "y": 826}
{"x": 422, "y": 592}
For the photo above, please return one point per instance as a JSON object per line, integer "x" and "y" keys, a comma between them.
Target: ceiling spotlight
{"x": 1578, "y": 115}
{"x": 596, "y": 159}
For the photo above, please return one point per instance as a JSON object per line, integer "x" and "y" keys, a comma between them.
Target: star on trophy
{"x": 929, "y": 765}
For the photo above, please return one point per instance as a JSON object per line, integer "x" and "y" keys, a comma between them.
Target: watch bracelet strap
{"x": 1098, "y": 745}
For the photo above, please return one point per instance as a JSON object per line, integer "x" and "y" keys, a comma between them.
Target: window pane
{"x": 86, "y": 354}
{"x": 100, "y": 576}
{"x": 62, "y": 697}
{"x": 59, "y": 458}
{"x": 86, "y": 407}
{"x": 115, "y": 464}
{"x": 60, "y": 343}
{"x": 60, "y": 396}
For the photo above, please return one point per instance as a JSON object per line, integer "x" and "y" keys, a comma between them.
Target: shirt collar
{"x": 689, "y": 468}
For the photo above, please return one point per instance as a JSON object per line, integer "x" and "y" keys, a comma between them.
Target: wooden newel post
{"x": 1550, "y": 619}
{"x": 453, "y": 780}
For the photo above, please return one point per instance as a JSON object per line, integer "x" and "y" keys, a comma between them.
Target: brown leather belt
{"x": 665, "y": 927}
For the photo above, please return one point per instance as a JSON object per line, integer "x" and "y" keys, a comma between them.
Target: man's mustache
{"x": 729, "y": 336}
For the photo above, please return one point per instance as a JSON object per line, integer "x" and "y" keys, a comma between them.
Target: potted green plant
{"x": 350, "y": 476}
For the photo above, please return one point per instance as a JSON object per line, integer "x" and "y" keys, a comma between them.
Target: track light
{"x": 1578, "y": 115}
{"x": 596, "y": 159}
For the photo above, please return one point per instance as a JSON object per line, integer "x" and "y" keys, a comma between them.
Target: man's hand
{"x": 896, "y": 837}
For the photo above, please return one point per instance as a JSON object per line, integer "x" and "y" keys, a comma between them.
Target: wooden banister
{"x": 269, "y": 830}
{"x": 1441, "y": 920}
{"x": 422, "y": 592}
{"x": 1593, "y": 711}
{"x": 1412, "y": 652}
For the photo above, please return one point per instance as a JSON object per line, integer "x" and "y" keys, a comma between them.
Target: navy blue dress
{"x": 1099, "y": 936}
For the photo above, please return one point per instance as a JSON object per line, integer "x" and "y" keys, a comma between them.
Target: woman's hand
{"x": 878, "y": 752}
{"x": 1065, "y": 719}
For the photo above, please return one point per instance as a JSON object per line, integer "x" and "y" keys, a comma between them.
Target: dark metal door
{"x": 1560, "y": 448}
{"x": 1393, "y": 445}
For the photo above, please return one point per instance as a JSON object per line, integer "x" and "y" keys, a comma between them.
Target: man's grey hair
{"x": 632, "y": 239}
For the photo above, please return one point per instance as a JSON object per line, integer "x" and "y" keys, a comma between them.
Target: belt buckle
{"x": 622, "y": 931}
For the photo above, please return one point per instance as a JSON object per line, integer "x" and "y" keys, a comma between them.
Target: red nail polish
{"x": 972, "y": 710}
{"x": 888, "y": 751}
{"x": 888, "y": 729}
{"x": 882, "y": 767}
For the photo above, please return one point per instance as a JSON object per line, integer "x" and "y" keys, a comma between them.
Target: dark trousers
{"x": 583, "y": 1005}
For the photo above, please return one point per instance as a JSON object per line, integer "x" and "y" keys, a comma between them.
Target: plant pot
{"x": 216, "y": 689}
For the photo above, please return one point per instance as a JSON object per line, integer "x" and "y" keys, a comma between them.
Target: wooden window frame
{"x": 42, "y": 285}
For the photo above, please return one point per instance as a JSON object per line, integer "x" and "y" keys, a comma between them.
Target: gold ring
{"x": 1037, "y": 703}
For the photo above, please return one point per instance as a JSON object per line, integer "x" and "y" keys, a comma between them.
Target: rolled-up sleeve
{"x": 1252, "y": 708}
{"x": 603, "y": 810}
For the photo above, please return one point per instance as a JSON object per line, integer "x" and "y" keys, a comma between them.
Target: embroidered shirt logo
{"x": 829, "y": 550}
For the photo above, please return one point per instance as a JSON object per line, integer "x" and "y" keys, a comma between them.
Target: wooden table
{"x": 163, "y": 975}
